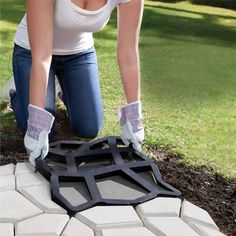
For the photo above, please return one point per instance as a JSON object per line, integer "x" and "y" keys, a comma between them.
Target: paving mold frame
{"x": 76, "y": 161}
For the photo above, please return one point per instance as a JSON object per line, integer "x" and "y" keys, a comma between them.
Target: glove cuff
{"x": 38, "y": 120}
{"x": 138, "y": 102}
{"x": 132, "y": 111}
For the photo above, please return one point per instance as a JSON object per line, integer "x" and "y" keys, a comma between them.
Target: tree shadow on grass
{"x": 199, "y": 30}
{"x": 12, "y": 11}
{"x": 228, "y": 17}
{"x": 204, "y": 29}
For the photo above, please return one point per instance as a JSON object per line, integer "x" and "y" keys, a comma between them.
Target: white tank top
{"x": 73, "y": 26}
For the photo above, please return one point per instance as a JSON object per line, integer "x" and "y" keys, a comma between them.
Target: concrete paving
{"x": 205, "y": 231}
{"x": 45, "y": 224}
{"x": 29, "y": 179}
{"x": 160, "y": 207}
{"x": 40, "y": 195}
{"x": 14, "y": 207}
{"x": 7, "y": 182}
{"x": 137, "y": 231}
{"x": 171, "y": 226}
{"x": 76, "y": 227}
{"x": 23, "y": 168}
{"x": 103, "y": 217}
{"x": 6, "y": 229}
{"x": 7, "y": 169}
{"x": 28, "y": 210}
{"x": 191, "y": 213}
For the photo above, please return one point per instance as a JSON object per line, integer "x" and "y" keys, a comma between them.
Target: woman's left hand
{"x": 132, "y": 131}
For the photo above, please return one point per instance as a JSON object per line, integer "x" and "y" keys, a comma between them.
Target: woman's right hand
{"x": 39, "y": 15}
{"x": 39, "y": 126}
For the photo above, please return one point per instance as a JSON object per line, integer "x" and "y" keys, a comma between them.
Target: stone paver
{"x": 138, "y": 231}
{"x": 194, "y": 214}
{"x": 7, "y": 182}
{"x": 205, "y": 231}
{"x": 6, "y": 229}
{"x": 102, "y": 217}
{"x": 75, "y": 193}
{"x": 14, "y": 207}
{"x": 29, "y": 179}
{"x": 168, "y": 226}
{"x": 160, "y": 207}
{"x": 45, "y": 225}
{"x": 7, "y": 169}
{"x": 40, "y": 195}
{"x": 121, "y": 188}
{"x": 23, "y": 168}
{"x": 75, "y": 227}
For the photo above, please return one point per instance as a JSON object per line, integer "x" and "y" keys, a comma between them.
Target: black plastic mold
{"x": 102, "y": 172}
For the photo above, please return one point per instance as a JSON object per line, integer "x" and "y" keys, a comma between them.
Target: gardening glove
{"x": 132, "y": 130}
{"x": 36, "y": 138}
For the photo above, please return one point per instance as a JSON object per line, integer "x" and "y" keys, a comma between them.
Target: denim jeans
{"x": 79, "y": 80}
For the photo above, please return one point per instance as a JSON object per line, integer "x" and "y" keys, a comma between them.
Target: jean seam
{"x": 15, "y": 70}
{"x": 65, "y": 98}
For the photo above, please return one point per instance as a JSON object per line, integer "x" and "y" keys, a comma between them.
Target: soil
{"x": 199, "y": 185}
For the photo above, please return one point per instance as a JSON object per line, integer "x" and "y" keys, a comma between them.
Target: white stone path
{"x": 26, "y": 209}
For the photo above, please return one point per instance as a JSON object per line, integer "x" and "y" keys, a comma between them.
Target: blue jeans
{"x": 79, "y": 80}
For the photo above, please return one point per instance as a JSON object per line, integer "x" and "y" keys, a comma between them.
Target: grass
{"x": 188, "y": 58}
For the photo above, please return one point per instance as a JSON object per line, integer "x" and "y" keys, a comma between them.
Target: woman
{"x": 55, "y": 38}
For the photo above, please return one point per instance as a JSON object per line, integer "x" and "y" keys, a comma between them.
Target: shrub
{"x": 231, "y": 4}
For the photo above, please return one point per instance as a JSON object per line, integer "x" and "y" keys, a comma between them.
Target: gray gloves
{"x": 36, "y": 138}
{"x": 132, "y": 130}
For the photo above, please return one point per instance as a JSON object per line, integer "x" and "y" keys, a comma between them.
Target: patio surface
{"x": 26, "y": 209}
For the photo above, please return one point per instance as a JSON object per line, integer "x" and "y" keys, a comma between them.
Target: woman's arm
{"x": 40, "y": 30}
{"x": 129, "y": 22}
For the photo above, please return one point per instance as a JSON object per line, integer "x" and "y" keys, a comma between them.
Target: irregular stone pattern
{"x": 40, "y": 195}
{"x": 103, "y": 217}
{"x": 14, "y": 207}
{"x": 29, "y": 179}
{"x": 160, "y": 207}
{"x": 45, "y": 224}
{"x": 194, "y": 214}
{"x": 25, "y": 202}
{"x": 171, "y": 226}
{"x": 76, "y": 227}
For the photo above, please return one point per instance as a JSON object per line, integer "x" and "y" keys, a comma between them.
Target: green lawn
{"x": 188, "y": 66}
